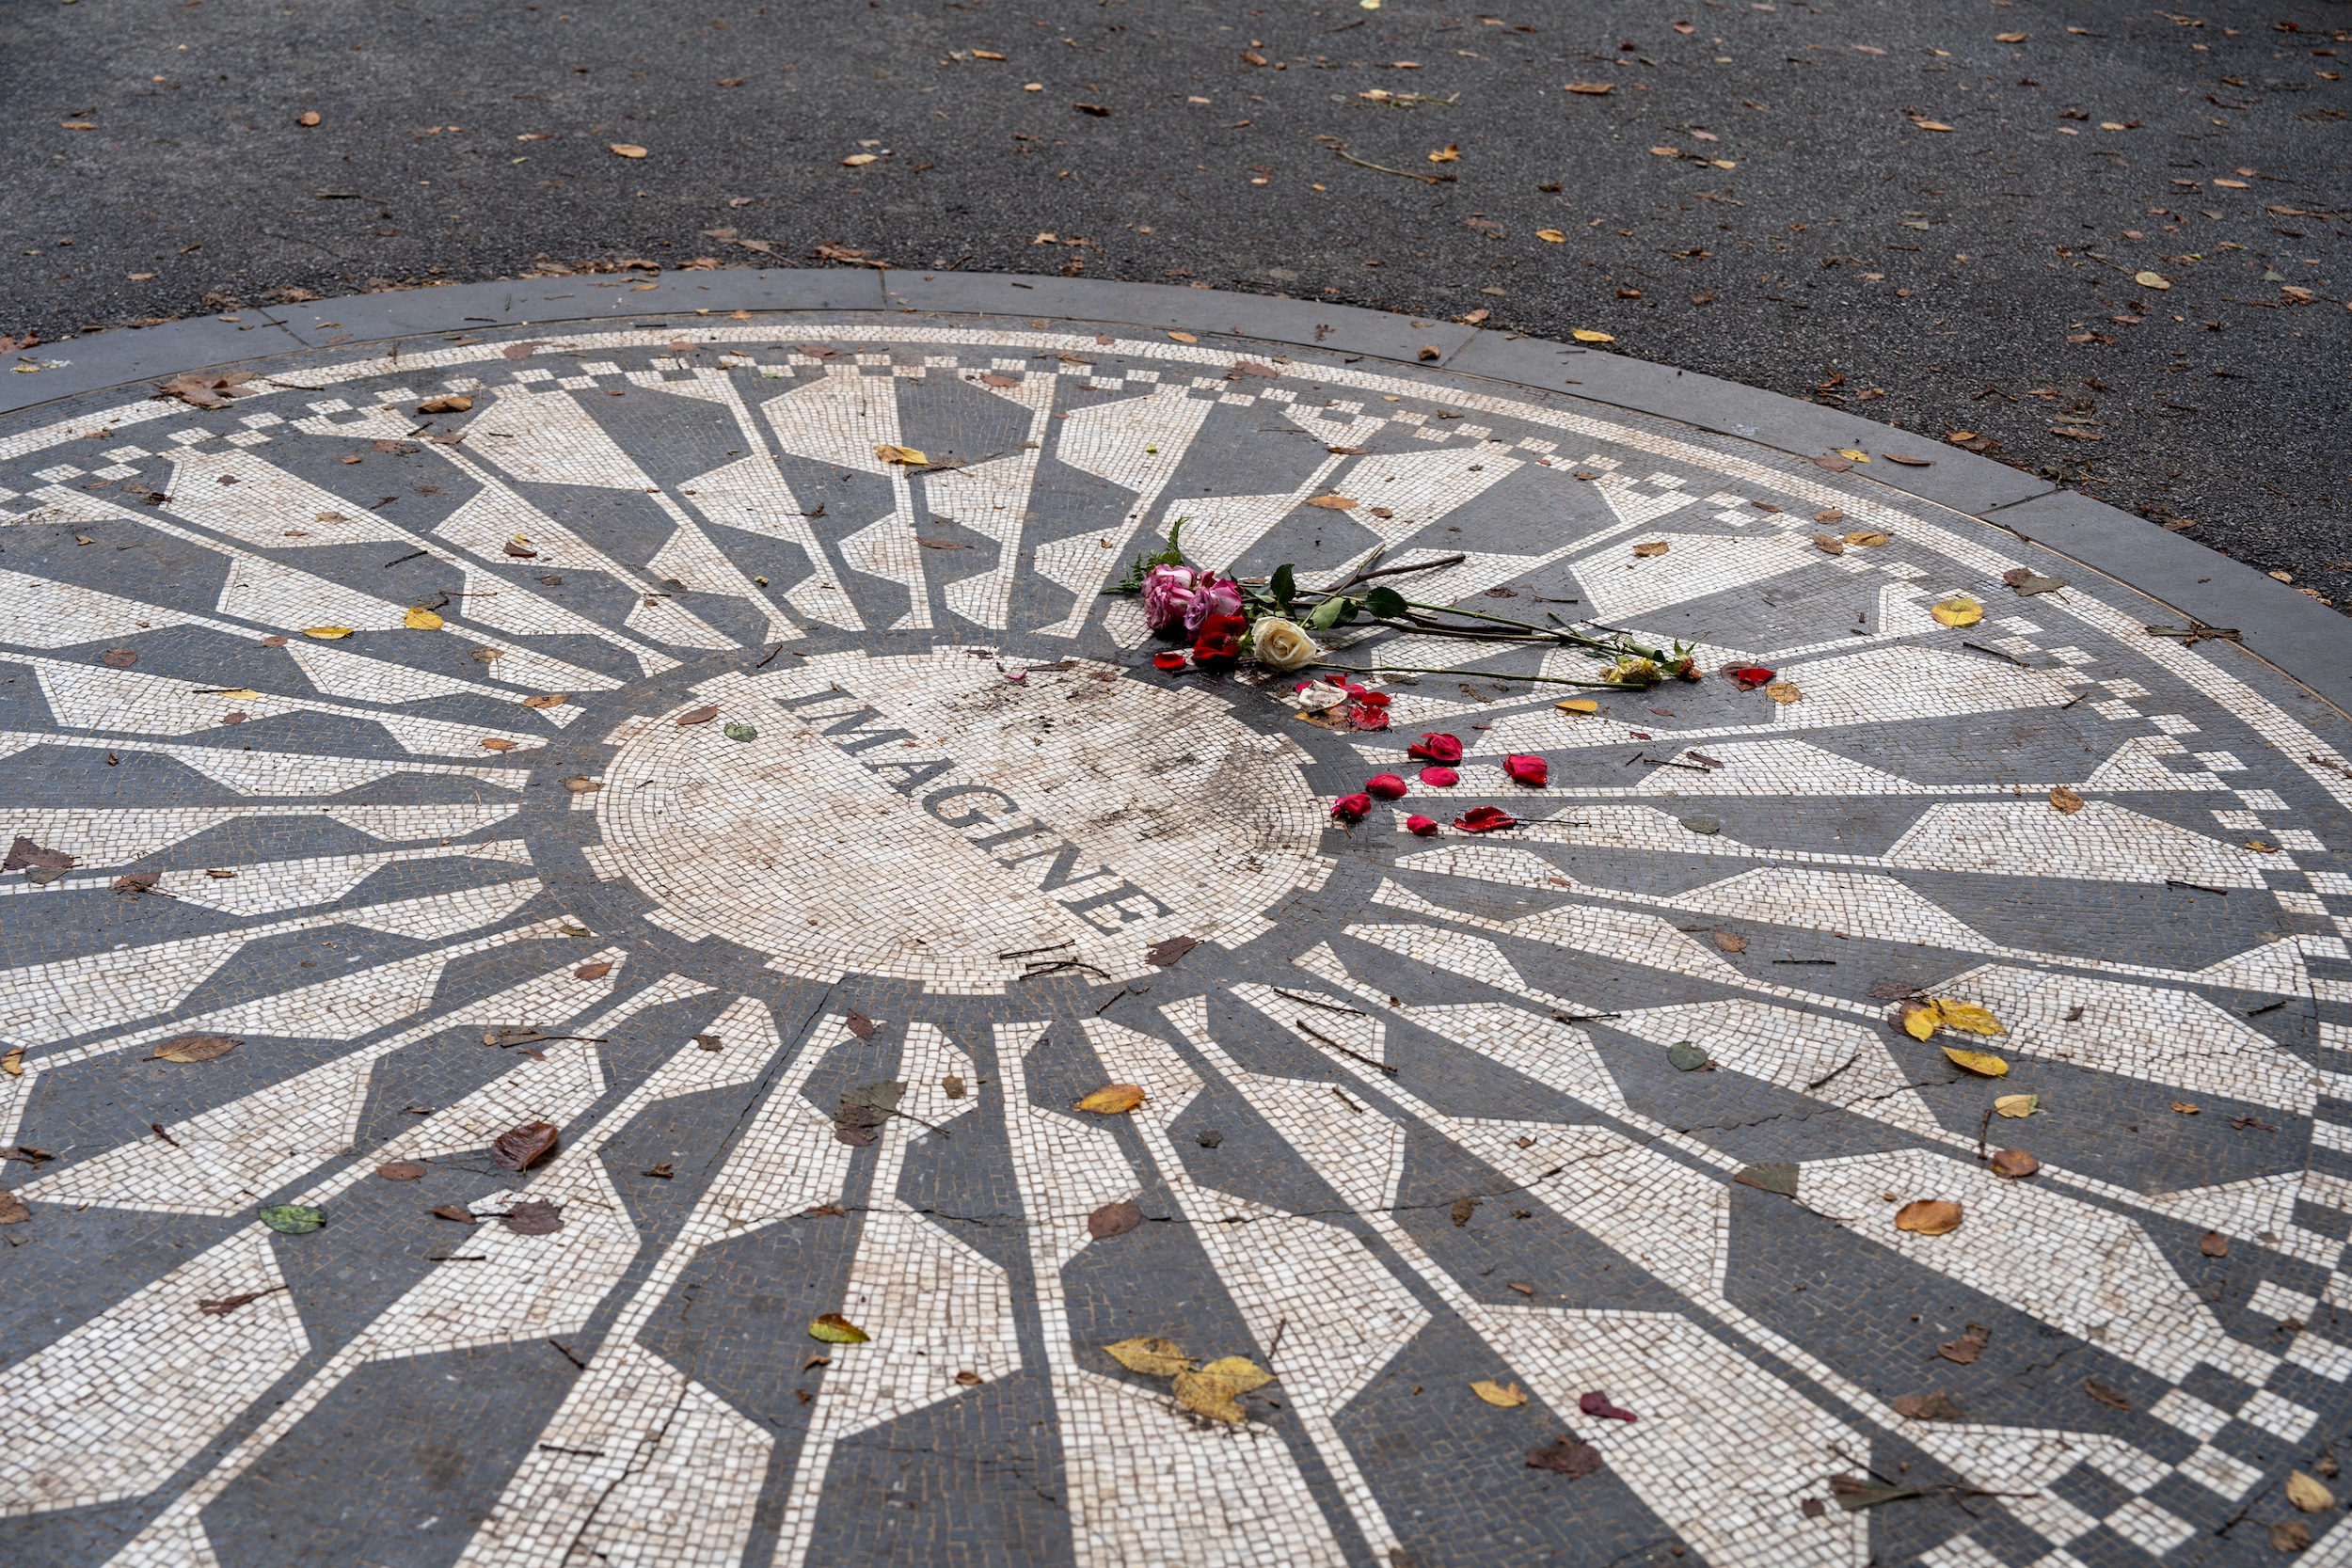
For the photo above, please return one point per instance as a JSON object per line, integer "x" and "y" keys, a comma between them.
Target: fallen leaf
{"x": 2028, "y": 584}
{"x": 582, "y": 786}
{"x": 592, "y": 971}
{"x": 1184, "y": 337}
{"x": 520, "y": 1148}
{"x": 25, "y": 852}
{"x": 1151, "y": 1357}
{"x": 1164, "y": 954}
{"x": 1212, "y": 1391}
{"x": 1501, "y": 1396}
{"x": 739, "y": 732}
{"x": 1784, "y": 692}
{"x": 859, "y": 1025}
{"x": 13, "y": 1210}
{"x": 1552, "y": 237}
{"x": 1564, "y": 1456}
{"x": 1930, "y": 125}
{"x": 1686, "y": 1056}
{"x": 1595, "y": 88}
{"x": 195, "y": 1048}
{"x": 1982, "y": 1062}
{"x": 533, "y": 1217}
{"x": 909, "y": 455}
{"x": 2309, "y": 1495}
{"x": 326, "y": 634}
{"x": 2009, "y": 38}
{"x": 857, "y": 160}
{"x": 2185, "y": 1108}
{"x": 494, "y": 743}
{"x": 452, "y": 404}
{"x": 1332, "y": 503}
{"x": 1959, "y": 611}
{"x": 452, "y": 1211}
{"x": 1828, "y": 545}
{"x": 400, "y": 1171}
{"x": 831, "y": 1328}
{"x": 1963, "y": 1351}
{"x": 703, "y": 715}
{"x": 2064, "y": 799}
{"x": 1654, "y": 547}
{"x": 1866, "y": 538}
{"x": 1596, "y": 1403}
{"x": 1730, "y": 942}
{"x": 1112, "y": 1100}
{"x": 2017, "y": 1105}
{"x": 2151, "y": 280}
{"x": 2012, "y": 1165}
{"x": 2294, "y": 1535}
{"x": 1112, "y": 1219}
{"x": 2105, "y": 1395}
{"x": 1937, "y": 1406}
{"x": 292, "y": 1219}
{"x": 1928, "y": 1217}
{"x": 1486, "y": 820}
{"x": 519, "y": 551}
{"x": 2214, "y": 1244}
{"x": 1448, "y": 154}
{"x": 1464, "y": 1210}
{"x": 420, "y": 619}
{"x": 1585, "y": 335}
{"x": 1769, "y": 1178}
{"x": 1909, "y": 462}
{"x": 1579, "y": 705}
{"x": 118, "y": 659}
{"x": 1833, "y": 461}
{"x": 1968, "y": 1017}
{"x": 627, "y": 149}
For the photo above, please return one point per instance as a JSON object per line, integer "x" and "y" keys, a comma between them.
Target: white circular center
{"x": 927, "y": 818}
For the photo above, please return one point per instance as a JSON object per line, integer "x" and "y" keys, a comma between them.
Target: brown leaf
{"x": 703, "y": 715}
{"x": 1595, "y": 88}
{"x": 1828, "y": 545}
{"x": 1730, "y": 942}
{"x": 2104, "y": 1395}
{"x": 400, "y": 1171}
{"x": 2064, "y": 799}
{"x": 1566, "y": 1456}
{"x": 1112, "y": 1219}
{"x": 1164, "y": 954}
{"x": 1909, "y": 462}
{"x": 2291, "y": 1536}
{"x": 1463, "y": 1209}
{"x": 992, "y": 378}
{"x": 592, "y": 971}
{"x": 533, "y": 1218}
{"x": 1928, "y": 1217}
{"x": 1936, "y": 1406}
{"x": 25, "y": 852}
{"x": 548, "y": 700}
{"x": 452, "y": 1211}
{"x": 860, "y": 1025}
{"x": 1112, "y": 1100}
{"x": 490, "y": 743}
{"x": 1250, "y": 367}
{"x": 195, "y": 1048}
{"x": 1332, "y": 503}
{"x": 968, "y": 1378}
{"x": 13, "y": 1210}
{"x": 520, "y": 1148}
{"x": 1964, "y": 1350}
{"x": 2214, "y": 1244}
{"x": 2012, "y": 1165}
{"x": 1655, "y": 546}
{"x": 1834, "y": 462}
{"x": 118, "y": 659}
{"x": 450, "y": 404}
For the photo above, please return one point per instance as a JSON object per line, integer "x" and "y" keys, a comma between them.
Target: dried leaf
{"x": 582, "y": 786}
{"x": 1464, "y": 1207}
{"x": 1501, "y": 1396}
{"x": 420, "y": 619}
{"x": 1164, "y": 953}
{"x": 2028, "y": 584}
{"x": 326, "y": 634}
{"x": 1212, "y": 1391}
{"x": 2105, "y": 1395}
{"x": 1112, "y": 1100}
{"x": 1866, "y": 538}
{"x": 1937, "y": 1406}
{"x": 1596, "y": 1403}
{"x": 1578, "y": 705}
{"x": 1828, "y": 545}
{"x": 1928, "y": 1217}
{"x": 400, "y": 1171}
{"x": 2293, "y": 1535}
{"x": 118, "y": 659}
{"x": 1585, "y": 335}
{"x": 1919, "y": 1019}
{"x": 1982, "y": 1062}
{"x": 452, "y": 1211}
{"x": 1785, "y": 692}
{"x": 520, "y": 1148}
{"x": 703, "y": 715}
{"x": 292, "y": 1219}
{"x": 1930, "y": 125}
{"x": 1448, "y": 154}
{"x": 1778, "y": 1178}
{"x": 626, "y": 149}
{"x": 13, "y": 1210}
{"x": 554, "y": 699}
{"x": 2151, "y": 280}
{"x": 858, "y": 160}
{"x": 1332, "y": 503}
{"x": 1959, "y": 611}
{"x": 831, "y": 1328}
{"x": 592, "y": 971}
{"x": 1184, "y": 337}
{"x": 1654, "y": 547}
{"x": 859, "y": 1025}
{"x": 496, "y": 743}
{"x": 1730, "y": 942}
{"x": 1564, "y": 1456}
{"x": 1112, "y": 1219}
{"x": 12, "y": 1062}
{"x": 2017, "y": 1105}
{"x": 1552, "y": 237}
{"x": 2064, "y": 799}
{"x": 2214, "y": 1244}
{"x": 533, "y": 1217}
{"x": 452, "y": 404}
{"x": 195, "y": 1048}
{"x": 1595, "y": 88}
{"x": 1684, "y": 1056}
{"x": 2308, "y": 1493}
{"x": 25, "y": 852}
{"x": 1151, "y": 1357}
{"x": 911, "y": 456}
{"x": 1909, "y": 462}
{"x": 1963, "y": 1351}
{"x": 1968, "y": 1017}
{"x": 2012, "y": 1165}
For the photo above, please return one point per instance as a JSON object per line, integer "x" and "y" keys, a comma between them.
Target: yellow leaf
{"x": 1112, "y": 1100}
{"x": 2260, "y": 848}
{"x": 2309, "y": 1495}
{"x": 1928, "y": 1217}
{"x": 497, "y": 743}
{"x": 2016, "y": 1105}
{"x": 1982, "y": 1062}
{"x": 1184, "y": 337}
{"x": 1578, "y": 705}
{"x": 1865, "y": 537}
{"x": 2009, "y": 38}
{"x": 627, "y": 149}
{"x": 1920, "y": 1019}
{"x": 326, "y": 634}
{"x": 1211, "y": 1390}
{"x": 553, "y": 698}
{"x": 2185, "y": 1108}
{"x": 1654, "y": 547}
{"x": 835, "y": 1329}
{"x": 1332, "y": 503}
{"x": 1448, "y": 154}
{"x": 2151, "y": 280}
{"x": 238, "y": 694}
{"x": 900, "y": 454}
{"x": 1506, "y": 1397}
{"x": 1665, "y": 152}
{"x": 1959, "y": 611}
{"x": 1968, "y": 1016}
{"x": 420, "y": 619}
{"x": 2064, "y": 799}
{"x": 1852, "y": 456}
{"x": 13, "y": 1063}
{"x": 1585, "y": 335}
{"x": 1958, "y": 435}
{"x": 1151, "y": 1357}
{"x": 1552, "y": 237}
{"x": 1784, "y": 692}
{"x": 857, "y": 160}
{"x": 1930, "y": 125}
{"x": 1723, "y": 162}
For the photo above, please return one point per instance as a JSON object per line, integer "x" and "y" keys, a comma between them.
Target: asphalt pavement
{"x": 2101, "y": 241}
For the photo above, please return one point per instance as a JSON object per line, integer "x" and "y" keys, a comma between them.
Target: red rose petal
{"x": 1387, "y": 785}
{"x": 1438, "y": 748}
{"x": 1363, "y": 717}
{"x": 1750, "y": 676}
{"x": 1169, "y": 660}
{"x": 1441, "y": 778}
{"x": 1377, "y": 699}
{"x": 1351, "y": 808}
{"x": 1421, "y": 826}
{"x": 1486, "y": 820}
{"x": 1530, "y": 771}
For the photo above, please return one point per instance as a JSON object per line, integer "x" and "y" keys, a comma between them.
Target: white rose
{"x": 1280, "y": 645}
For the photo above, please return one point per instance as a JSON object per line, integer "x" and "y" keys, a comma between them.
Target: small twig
{"x": 558, "y": 1448}
{"x": 157, "y": 1128}
{"x": 1311, "y": 1033}
{"x": 1027, "y": 952}
{"x": 1410, "y": 174}
{"x": 1997, "y": 653}
{"x": 1981, "y": 1125}
{"x": 1454, "y": 559}
{"x": 1114, "y": 996}
{"x": 1694, "y": 767}
{"x": 1275, "y": 1348}
{"x": 2175, "y": 881}
{"x": 1313, "y": 1001}
{"x": 1344, "y": 1100}
{"x": 2267, "y": 1007}
{"x": 410, "y": 556}
{"x": 1425, "y": 669}
{"x": 575, "y": 1361}
{"x": 771, "y": 654}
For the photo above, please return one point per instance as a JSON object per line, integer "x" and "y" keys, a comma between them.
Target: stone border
{"x": 2294, "y": 634}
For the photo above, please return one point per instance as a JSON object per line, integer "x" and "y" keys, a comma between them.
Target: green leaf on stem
{"x": 1284, "y": 584}
{"x": 1331, "y": 613}
{"x": 1172, "y": 556}
{"x": 1385, "y": 602}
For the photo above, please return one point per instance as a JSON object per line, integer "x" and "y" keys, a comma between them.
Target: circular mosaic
{"x": 621, "y": 948}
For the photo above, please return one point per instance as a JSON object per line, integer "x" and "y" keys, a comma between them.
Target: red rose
{"x": 1749, "y": 676}
{"x": 1220, "y": 639}
{"x": 1486, "y": 820}
{"x": 1421, "y": 826}
{"x": 1530, "y": 771}
{"x": 1441, "y": 778}
{"x": 1387, "y": 785}
{"x": 1351, "y": 808}
{"x": 1438, "y": 748}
